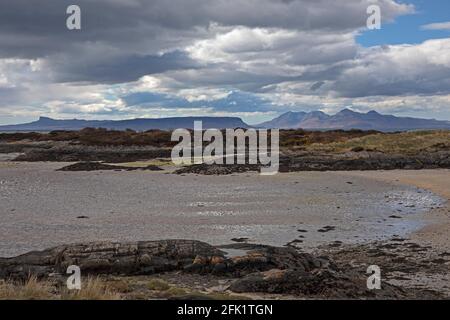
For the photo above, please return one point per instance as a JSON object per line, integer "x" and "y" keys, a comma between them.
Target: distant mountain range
{"x": 48, "y": 124}
{"x": 348, "y": 119}
{"x": 317, "y": 120}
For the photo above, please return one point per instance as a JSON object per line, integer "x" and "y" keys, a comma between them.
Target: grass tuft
{"x": 92, "y": 289}
{"x": 32, "y": 289}
{"x": 158, "y": 285}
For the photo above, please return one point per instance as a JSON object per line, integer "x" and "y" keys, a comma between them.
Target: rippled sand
{"x": 40, "y": 207}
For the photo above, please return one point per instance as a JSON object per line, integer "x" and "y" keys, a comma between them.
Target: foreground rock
{"x": 132, "y": 258}
{"x": 143, "y": 258}
{"x": 259, "y": 269}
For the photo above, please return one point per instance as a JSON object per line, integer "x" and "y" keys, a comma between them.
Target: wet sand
{"x": 42, "y": 208}
{"x": 437, "y": 231}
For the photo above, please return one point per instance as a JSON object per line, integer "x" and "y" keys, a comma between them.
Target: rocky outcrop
{"x": 367, "y": 161}
{"x": 131, "y": 258}
{"x": 352, "y": 161}
{"x": 63, "y": 152}
{"x": 140, "y": 258}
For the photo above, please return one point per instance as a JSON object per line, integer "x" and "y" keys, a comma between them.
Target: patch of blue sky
{"x": 408, "y": 29}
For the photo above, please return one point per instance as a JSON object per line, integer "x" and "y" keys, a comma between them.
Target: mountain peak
{"x": 42, "y": 118}
{"x": 348, "y": 119}
{"x": 49, "y": 124}
{"x": 45, "y": 120}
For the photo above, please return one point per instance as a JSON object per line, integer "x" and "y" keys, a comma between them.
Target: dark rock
{"x": 216, "y": 169}
{"x": 319, "y": 283}
{"x": 97, "y": 166}
{"x": 239, "y": 239}
{"x": 220, "y": 268}
{"x": 357, "y": 149}
{"x": 264, "y": 258}
{"x": 327, "y": 229}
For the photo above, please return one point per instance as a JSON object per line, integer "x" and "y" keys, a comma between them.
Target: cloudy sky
{"x": 249, "y": 58}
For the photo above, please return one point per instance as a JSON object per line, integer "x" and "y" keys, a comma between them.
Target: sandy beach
{"x": 42, "y": 207}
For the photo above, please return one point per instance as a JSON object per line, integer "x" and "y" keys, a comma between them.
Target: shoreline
{"x": 436, "y": 232}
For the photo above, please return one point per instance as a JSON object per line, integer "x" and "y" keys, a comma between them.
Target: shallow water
{"x": 39, "y": 207}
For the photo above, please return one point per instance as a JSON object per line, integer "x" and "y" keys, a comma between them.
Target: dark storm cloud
{"x": 122, "y": 68}
{"x": 36, "y": 28}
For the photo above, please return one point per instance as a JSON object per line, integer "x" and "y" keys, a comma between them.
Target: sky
{"x": 254, "y": 59}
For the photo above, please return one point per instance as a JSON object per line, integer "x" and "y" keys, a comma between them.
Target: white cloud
{"x": 397, "y": 70}
{"x": 437, "y": 26}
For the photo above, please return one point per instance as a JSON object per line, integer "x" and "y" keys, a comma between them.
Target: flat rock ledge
{"x": 259, "y": 268}
{"x": 150, "y": 257}
{"x": 130, "y": 258}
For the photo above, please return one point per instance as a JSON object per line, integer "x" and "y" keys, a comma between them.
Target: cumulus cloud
{"x": 398, "y": 70}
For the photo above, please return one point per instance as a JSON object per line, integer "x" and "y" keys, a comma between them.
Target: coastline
{"x": 414, "y": 264}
